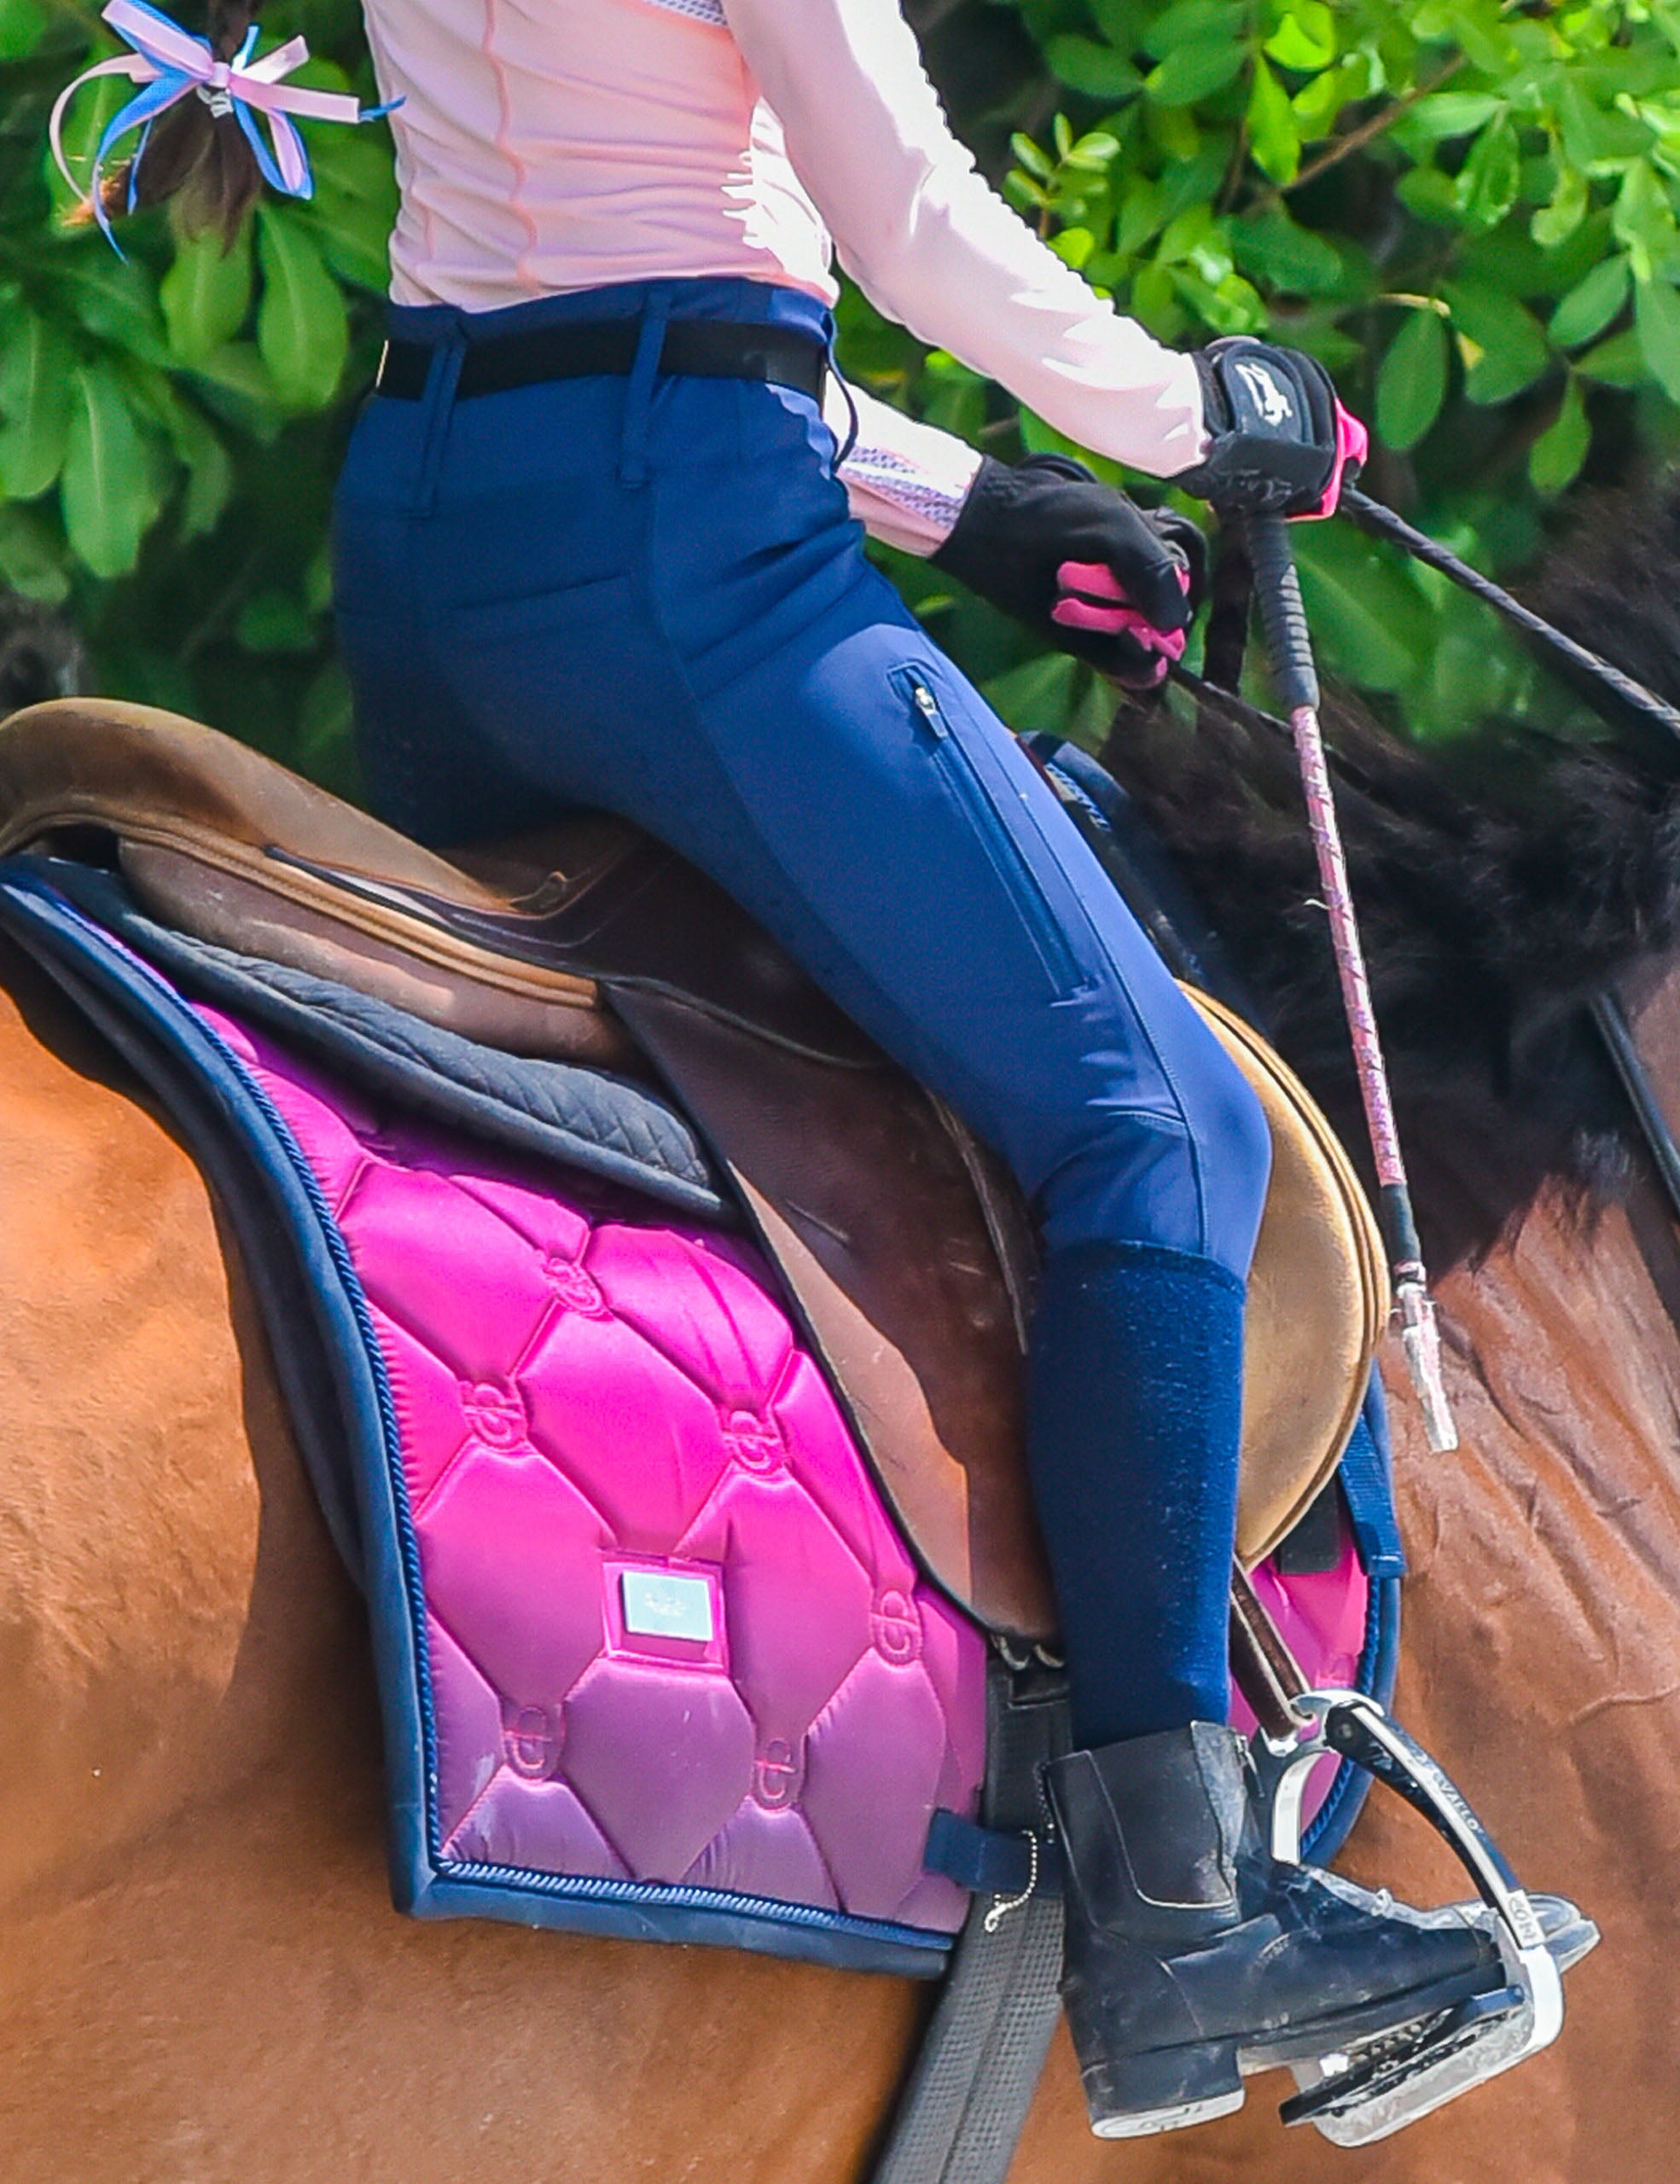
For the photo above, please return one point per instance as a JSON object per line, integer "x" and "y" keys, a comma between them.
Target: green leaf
{"x": 1590, "y": 306}
{"x": 32, "y": 557}
{"x": 1656, "y": 319}
{"x": 109, "y": 487}
{"x": 22, "y": 23}
{"x": 1118, "y": 20}
{"x": 1194, "y": 22}
{"x": 1448, "y": 113}
{"x": 1556, "y": 458}
{"x": 1511, "y": 350}
{"x": 1096, "y": 70}
{"x": 1095, "y": 151}
{"x": 1557, "y": 222}
{"x": 1037, "y": 163}
{"x": 1429, "y": 194}
{"x": 1142, "y": 211}
{"x": 1273, "y": 135}
{"x": 302, "y": 329}
{"x": 1489, "y": 179}
{"x": 1306, "y": 36}
{"x": 113, "y": 301}
{"x": 1592, "y": 133}
{"x": 1372, "y": 622}
{"x": 318, "y": 585}
{"x": 1318, "y": 103}
{"x": 1483, "y": 38}
{"x": 1190, "y": 73}
{"x": 1618, "y": 362}
{"x": 326, "y": 746}
{"x": 1187, "y": 233}
{"x": 35, "y": 367}
{"x": 1412, "y": 382}
{"x": 273, "y": 621}
{"x": 206, "y": 294}
{"x": 210, "y": 477}
{"x": 234, "y": 383}
{"x": 1274, "y": 251}
{"x": 1036, "y": 696}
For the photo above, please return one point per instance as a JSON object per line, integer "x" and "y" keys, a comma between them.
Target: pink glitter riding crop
{"x": 1291, "y": 648}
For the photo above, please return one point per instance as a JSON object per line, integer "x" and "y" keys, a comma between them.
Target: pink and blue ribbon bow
{"x": 171, "y": 64}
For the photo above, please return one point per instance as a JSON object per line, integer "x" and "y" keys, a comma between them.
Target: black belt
{"x": 708, "y": 348}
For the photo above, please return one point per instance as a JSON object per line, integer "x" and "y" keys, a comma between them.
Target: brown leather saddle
{"x": 903, "y": 1243}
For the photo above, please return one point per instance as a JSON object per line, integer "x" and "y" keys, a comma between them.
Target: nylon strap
{"x": 965, "y": 2103}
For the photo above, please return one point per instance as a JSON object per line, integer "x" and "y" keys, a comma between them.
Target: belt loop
{"x": 439, "y": 405}
{"x": 639, "y": 392}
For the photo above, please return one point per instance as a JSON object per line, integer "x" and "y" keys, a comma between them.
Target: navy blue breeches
{"x": 648, "y": 594}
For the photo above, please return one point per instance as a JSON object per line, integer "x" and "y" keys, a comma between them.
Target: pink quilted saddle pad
{"x": 673, "y": 1643}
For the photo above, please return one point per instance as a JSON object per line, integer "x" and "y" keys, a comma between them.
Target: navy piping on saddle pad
{"x": 1144, "y": 872}
{"x": 230, "y": 1123}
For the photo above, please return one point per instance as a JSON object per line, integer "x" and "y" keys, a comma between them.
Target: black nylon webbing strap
{"x": 966, "y": 2101}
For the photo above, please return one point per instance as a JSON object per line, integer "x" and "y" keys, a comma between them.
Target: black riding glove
{"x": 1280, "y": 443}
{"x": 1076, "y": 560}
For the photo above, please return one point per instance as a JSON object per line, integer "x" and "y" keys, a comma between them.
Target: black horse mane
{"x": 1501, "y": 879}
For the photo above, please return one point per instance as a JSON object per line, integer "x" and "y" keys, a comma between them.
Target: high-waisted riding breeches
{"x": 647, "y": 594}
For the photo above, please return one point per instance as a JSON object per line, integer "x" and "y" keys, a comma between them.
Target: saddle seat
{"x": 905, "y": 1246}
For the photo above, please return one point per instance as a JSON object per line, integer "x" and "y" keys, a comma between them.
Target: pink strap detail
{"x": 1353, "y": 446}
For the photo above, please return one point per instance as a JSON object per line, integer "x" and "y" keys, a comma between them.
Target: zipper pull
{"x": 929, "y": 707}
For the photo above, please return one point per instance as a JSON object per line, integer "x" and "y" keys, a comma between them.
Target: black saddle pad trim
{"x": 578, "y": 1117}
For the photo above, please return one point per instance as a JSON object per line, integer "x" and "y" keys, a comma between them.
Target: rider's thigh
{"x": 945, "y": 899}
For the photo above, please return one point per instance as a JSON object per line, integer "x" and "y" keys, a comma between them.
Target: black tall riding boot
{"x": 1192, "y": 1955}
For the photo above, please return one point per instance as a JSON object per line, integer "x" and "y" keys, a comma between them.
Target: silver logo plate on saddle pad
{"x": 659, "y": 1605}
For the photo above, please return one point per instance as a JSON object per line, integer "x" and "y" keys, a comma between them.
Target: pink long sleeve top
{"x": 547, "y": 146}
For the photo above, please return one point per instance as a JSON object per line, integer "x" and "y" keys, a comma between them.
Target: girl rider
{"x": 600, "y": 543}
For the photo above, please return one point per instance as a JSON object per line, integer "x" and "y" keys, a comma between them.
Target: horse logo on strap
{"x": 1269, "y": 398}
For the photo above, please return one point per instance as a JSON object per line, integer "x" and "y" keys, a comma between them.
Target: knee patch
{"x": 1233, "y": 1142}
{"x": 1192, "y": 1181}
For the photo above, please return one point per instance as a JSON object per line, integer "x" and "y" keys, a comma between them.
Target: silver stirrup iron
{"x": 1371, "y": 2088}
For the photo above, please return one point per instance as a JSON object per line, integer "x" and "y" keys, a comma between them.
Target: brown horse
{"x": 202, "y": 1981}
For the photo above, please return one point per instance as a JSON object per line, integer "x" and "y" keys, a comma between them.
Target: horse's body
{"x": 202, "y": 1980}
{"x": 204, "y": 1983}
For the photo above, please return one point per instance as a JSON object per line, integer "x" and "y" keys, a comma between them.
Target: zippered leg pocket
{"x": 979, "y": 802}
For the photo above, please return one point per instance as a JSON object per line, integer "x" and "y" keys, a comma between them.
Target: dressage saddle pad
{"x": 654, "y": 1658}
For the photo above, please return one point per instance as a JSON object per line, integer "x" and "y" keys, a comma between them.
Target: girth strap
{"x": 965, "y": 2100}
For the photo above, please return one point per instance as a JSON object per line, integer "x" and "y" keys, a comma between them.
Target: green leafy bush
{"x": 1467, "y": 209}
{"x": 170, "y": 425}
